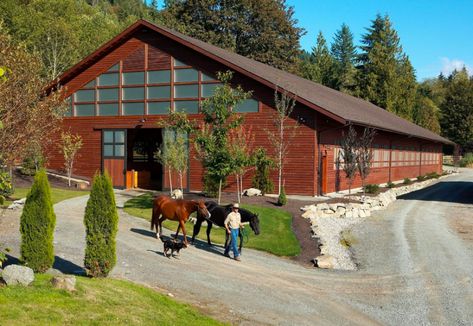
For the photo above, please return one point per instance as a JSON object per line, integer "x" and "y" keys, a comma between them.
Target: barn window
{"x": 206, "y": 77}
{"x": 85, "y": 95}
{"x": 108, "y": 80}
{"x": 186, "y": 91}
{"x": 209, "y": 89}
{"x": 178, "y": 63}
{"x": 186, "y": 106}
{"x": 158, "y": 107}
{"x": 133, "y": 78}
{"x": 186, "y": 75}
{"x": 133, "y": 93}
{"x": 108, "y": 94}
{"x": 109, "y": 109}
{"x": 249, "y": 105}
{"x": 134, "y": 108}
{"x": 159, "y": 92}
{"x": 157, "y": 77}
{"x": 115, "y": 67}
{"x": 113, "y": 143}
{"x": 90, "y": 84}
{"x": 85, "y": 110}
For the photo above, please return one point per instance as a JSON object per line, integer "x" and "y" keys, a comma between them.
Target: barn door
{"x": 114, "y": 155}
{"x": 324, "y": 172}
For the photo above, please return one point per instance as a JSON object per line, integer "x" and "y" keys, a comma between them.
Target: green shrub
{"x": 263, "y": 165}
{"x": 37, "y": 224}
{"x": 101, "y": 224}
{"x": 6, "y": 187}
{"x": 421, "y": 178}
{"x": 282, "y": 199}
{"x": 407, "y": 181}
{"x": 390, "y": 184}
{"x": 372, "y": 189}
{"x": 3, "y": 256}
{"x": 210, "y": 186}
{"x": 467, "y": 160}
{"x": 432, "y": 175}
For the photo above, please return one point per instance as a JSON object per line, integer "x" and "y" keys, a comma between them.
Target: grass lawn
{"x": 96, "y": 302}
{"x": 57, "y": 194}
{"x": 276, "y": 235}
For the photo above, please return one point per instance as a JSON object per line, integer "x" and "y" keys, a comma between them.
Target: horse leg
{"x": 209, "y": 228}
{"x": 177, "y": 231}
{"x": 227, "y": 239}
{"x": 154, "y": 220}
{"x": 160, "y": 227}
{"x": 183, "y": 227}
{"x": 197, "y": 226}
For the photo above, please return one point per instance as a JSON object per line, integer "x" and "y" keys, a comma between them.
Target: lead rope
{"x": 245, "y": 234}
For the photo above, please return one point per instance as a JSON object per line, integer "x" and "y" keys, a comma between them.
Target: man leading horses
{"x": 232, "y": 225}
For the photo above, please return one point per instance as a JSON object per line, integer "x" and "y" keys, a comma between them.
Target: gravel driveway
{"x": 415, "y": 267}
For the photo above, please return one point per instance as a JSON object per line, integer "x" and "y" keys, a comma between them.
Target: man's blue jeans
{"x": 233, "y": 244}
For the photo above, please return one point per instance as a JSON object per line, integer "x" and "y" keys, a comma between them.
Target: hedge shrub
{"x": 390, "y": 184}
{"x": 282, "y": 199}
{"x": 407, "y": 181}
{"x": 101, "y": 224}
{"x": 37, "y": 224}
{"x": 372, "y": 189}
{"x": 467, "y": 160}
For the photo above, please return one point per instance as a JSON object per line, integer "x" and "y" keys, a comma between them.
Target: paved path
{"x": 415, "y": 267}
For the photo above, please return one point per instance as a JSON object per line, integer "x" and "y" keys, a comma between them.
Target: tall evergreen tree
{"x": 385, "y": 76}
{"x": 426, "y": 113}
{"x": 344, "y": 55}
{"x": 264, "y": 30}
{"x": 322, "y": 64}
{"x": 457, "y": 110}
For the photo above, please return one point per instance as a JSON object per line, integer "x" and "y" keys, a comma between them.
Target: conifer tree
{"x": 426, "y": 114}
{"x": 385, "y": 76}
{"x": 322, "y": 63}
{"x": 37, "y": 225}
{"x": 101, "y": 225}
{"x": 344, "y": 55}
{"x": 457, "y": 110}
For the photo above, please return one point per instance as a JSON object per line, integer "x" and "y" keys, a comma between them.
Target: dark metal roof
{"x": 337, "y": 105}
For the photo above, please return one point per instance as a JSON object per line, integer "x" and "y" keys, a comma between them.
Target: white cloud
{"x": 449, "y": 65}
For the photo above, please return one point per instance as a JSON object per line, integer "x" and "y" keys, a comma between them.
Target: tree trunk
{"x": 170, "y": 181}
{"x": 241, "y": 185}
{"x": 238, "y": 187}
{"x": 180, "y": 183}
{"x": 219, "y": 191}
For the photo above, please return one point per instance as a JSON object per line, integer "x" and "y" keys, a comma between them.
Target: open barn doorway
{"x": 143, "y": 167}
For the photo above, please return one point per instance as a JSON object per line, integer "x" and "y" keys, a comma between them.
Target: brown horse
{"x": 175, "y": 210}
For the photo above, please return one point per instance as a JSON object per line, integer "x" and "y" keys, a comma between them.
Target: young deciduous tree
{"x": 26, "y": 113}
{"x": 365, "y": 154}
{"x": 348, "y": 155}
{"x": 282, "y": 135}
{"x": 241, "y": 145}
{"x": 164, "y": 155}
{"x": 70, "y": 146}
{"x": 212, "y": 140}
{"x": 263, "y": 165}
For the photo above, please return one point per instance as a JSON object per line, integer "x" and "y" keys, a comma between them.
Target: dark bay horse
{"x": 179, "y": 210}
{"x": 218, "y": 216}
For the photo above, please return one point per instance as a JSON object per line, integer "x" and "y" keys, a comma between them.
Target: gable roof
{"x": 339, "y": 106}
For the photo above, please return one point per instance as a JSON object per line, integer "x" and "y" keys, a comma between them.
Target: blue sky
{"x": 437, "y": 34}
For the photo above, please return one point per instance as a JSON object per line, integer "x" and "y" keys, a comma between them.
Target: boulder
{"x": 64, "y": 282}
{"x": 325, "y": 261}
{"x": 309, "y": 214}
{"x": 18, "y": 275}
{"x": 323, "y": 206}
{"x": 177, "y": 194}
{"x": 250, "y": 192}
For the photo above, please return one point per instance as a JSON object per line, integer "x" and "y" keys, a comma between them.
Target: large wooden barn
{"x": 119, "y": 93}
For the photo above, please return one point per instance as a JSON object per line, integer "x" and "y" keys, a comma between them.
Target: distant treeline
{"x": 61, "y": 32}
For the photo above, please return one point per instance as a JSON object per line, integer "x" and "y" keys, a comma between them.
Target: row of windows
{"x": 186, "y": 75}
{"x": 138, "y": 108}
{"x": 398, "y": 157}
{"x": 140, "y": 93}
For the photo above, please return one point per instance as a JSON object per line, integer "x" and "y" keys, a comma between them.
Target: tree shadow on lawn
{"x": 62, "y": 265}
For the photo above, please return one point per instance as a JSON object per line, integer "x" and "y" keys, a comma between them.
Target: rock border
{"x": 328, "y": 221}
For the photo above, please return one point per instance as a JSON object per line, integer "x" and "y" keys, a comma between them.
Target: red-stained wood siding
{"x": 152, "y": 51}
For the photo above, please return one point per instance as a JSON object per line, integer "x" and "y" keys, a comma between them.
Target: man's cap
{"x": 236, "y": 205}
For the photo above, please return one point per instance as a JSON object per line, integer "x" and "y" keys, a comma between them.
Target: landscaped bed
{"x": 276, "y": 235}
{"x": 57, "y": 194}
{"x": 96, "y": 302}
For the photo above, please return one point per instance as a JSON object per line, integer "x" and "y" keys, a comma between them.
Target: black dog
{"x": 171, "y": 244}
